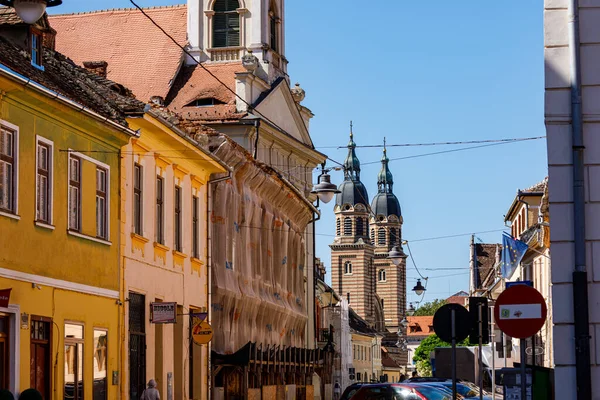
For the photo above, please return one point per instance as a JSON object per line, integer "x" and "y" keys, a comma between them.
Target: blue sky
{"x": 418, "y": 72}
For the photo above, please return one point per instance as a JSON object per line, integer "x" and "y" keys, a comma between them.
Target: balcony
{"x": 225, "y": 53}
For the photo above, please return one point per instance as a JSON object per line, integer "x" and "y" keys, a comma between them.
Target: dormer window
{"x": 208, "y": 102}
{"x": 35, "y": 48}
{"x": 226, "y": 24}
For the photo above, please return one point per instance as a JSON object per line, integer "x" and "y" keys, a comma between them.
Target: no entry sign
{"x": 520, "y": 311}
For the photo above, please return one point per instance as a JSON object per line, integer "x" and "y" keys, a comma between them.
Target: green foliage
{"x": 429, "y": 308}
{"x": 427, "y": 346}
{"x": 424, "y": 368}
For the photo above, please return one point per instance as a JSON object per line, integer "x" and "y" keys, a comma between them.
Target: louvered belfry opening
{"x": 226, "y": 24}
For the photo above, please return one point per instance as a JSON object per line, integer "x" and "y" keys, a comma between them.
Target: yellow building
{"x": 61, "y": 130}
{"x": 165, "y": 176}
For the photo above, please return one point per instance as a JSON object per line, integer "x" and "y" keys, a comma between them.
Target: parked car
{"x": 394, "y": 391}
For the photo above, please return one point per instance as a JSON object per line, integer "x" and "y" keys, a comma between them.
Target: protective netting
{"x": 258, "y": 257}
{"x": 345, "y": 343}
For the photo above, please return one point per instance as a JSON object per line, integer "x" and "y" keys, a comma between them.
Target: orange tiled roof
{"x": 138, "y": 54}
{"x": 194, "y": 83}
{"x": 422, "y": 323}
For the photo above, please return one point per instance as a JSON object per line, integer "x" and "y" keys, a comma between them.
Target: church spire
{"x": 385, "y": 180}
{"x": 351, "y": 164}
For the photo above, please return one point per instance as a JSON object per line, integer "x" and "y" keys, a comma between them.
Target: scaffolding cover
{"x": 258, "y": 257}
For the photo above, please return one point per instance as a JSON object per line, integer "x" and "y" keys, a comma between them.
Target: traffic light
{"x": 475, "y": 303}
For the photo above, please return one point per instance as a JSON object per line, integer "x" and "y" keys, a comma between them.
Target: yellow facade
{"x": 60, "y": 262}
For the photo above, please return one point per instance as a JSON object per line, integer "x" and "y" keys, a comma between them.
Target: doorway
{"x": 40, "y": 355}
{"x": 4, "y": 350}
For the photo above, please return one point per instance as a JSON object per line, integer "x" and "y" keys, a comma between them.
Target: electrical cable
{"x": 505, "y": 140}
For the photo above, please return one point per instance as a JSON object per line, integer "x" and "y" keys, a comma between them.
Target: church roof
{"x": 139, "y": 55}
{"x": 385, "y": 201}
{"x": 352, "y": 190}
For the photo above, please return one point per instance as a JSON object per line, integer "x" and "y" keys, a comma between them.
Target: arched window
{"x": 393, "y": 237}
{"x": 359, "y": 227}
{"x": 226, "y": 24}
{"x": 273, "y": 28}
{"x": 381, "y": 237}
{"x": 347, "y": 226}
{"x": 381, "y": 275}
{"x": 372, "y": 236}
{"x": 338, "y": 229}
{"x": 347, "y": 267}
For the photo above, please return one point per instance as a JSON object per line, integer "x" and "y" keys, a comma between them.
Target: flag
{"x": 513, "y": 251}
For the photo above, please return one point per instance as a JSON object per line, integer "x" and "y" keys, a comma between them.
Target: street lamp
{"x": 324, "y": 189}
{"x": 30, "y": 11}
{"x": 396, "y": 255}
{"x": 411, "y": 310}
{"x": 418, "y": 289}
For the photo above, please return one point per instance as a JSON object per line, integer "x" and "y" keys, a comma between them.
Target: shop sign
{"x": 163, "y": 313}
{"x": 202, "y": 332}
{"x": 4, "y": 297}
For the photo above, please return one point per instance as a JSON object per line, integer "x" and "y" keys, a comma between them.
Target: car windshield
{"x": 432, "y": 393}
{"x": 349, "y": 392}
{"x": 462, "y": 389}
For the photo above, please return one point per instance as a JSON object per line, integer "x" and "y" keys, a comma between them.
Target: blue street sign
{"x": 528, "y": 283}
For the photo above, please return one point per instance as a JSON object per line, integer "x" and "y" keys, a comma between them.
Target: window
{"x": 358, "y": 376}
{"x": 100, "y": 371}
{"x": 206, "y": 102}
{"x": 195, "y": 227}
{"x": 74, "y": 367}
{"x": 44, "y": 181}
{"x": 382, "y": 303}
{"x": 36, "y": 48}
{"x": 359, "y": 227}
{"x": 381, "y": 275}
{"x": 177, "y": 224}
{"x": 273, "y": 20}
{"x": 347, "y": 226}
{"x": 348, "y": 297}
{"x": 347, "y": 268}
{"x": 74, "y": 193}
{"x": 8, "y": 170}
{"x": 338, "y": 229}
{"x": 372, "y": 236}
{"x": 160, "y": 211}
{"x": 381, "y": 237}
{"x": 393, "y": 237}
{"x": 101, "y": 204}
{"x": 138, "y": 210}
{"x": 226, "y": 24}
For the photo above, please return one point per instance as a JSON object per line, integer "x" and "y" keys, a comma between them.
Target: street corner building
{"x": 61, "y": 131}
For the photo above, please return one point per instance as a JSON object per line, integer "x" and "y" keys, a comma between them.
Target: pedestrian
{"x": 6, "y": 395}
{"x": 151, "y": 392}
{"x": 402, "y": 378}
{"x": 30, "y": 394}
{"x": 337, "y": 390}
{"x": 415, "y": 374}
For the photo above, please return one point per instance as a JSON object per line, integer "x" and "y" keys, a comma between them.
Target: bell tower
{"x": 228, "y": 30}
{"x": 386, "y": 233}
{"x": 351, "y": 250}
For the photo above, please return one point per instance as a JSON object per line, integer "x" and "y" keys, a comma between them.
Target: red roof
{"x": 420, "y": 326}
{"x": 138, "y": 54}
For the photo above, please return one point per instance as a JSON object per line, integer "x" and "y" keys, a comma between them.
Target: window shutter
{"x": 233, "y": 31}
{"x": 219, "y": 30}
{"x": 74, "y": 208}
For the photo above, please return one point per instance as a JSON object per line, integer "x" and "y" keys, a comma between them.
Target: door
{"x": 137, "y": 345}
{"x": 40, "y": 356}
{"x": 4, "y": 352}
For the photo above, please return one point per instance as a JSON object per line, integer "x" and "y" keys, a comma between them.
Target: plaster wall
{"x": 558, "y": 130}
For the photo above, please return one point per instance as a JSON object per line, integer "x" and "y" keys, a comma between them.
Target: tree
{"x": 429, "y": 308}
{"x": 427, "y": 346}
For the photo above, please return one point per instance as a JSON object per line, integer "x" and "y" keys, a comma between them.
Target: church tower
{"x": 385, "y": 233}
{"x": 352, "y": 252}
{"x": 228, "y": 30}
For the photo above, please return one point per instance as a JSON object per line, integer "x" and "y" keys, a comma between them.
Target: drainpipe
{"x": 580, "y": 289}
{"x": 317, "y": 216}
{"x": 209, "y": 199}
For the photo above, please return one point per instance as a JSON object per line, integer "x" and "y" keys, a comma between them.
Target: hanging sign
{"x": 4, "y": 297}
{"x": 163, "y": 313}
{"x": 202, "y": 332}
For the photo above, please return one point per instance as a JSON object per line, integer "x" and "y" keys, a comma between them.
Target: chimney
{"x": 96, "y": 67}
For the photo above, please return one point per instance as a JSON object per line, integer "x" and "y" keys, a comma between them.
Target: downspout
{"x": 257, "y": 127}
{"x": 580, "y": 289}
{"x": 317, "y": 216}
{"x": 209, "y": 199}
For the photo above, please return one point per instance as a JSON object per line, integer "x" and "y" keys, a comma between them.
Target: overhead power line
{"x": 505, "y": 140}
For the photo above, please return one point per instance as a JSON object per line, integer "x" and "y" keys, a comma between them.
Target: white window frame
{"x": 106, "y": 200}
{"x": 50, "y": 144}
{"x": 16, "y": 157}
{"x": 347, "y": 271}
{"x": 106, "y": 167}
{"x": 382, "y": 275}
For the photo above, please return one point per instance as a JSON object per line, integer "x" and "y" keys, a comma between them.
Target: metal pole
{"x": 493, "y": 357}
{"x": 453, "y": 319}
{"x": 479, "y": 306}
{"x": 580, "y": 285}
{"x": 523, "y": 372}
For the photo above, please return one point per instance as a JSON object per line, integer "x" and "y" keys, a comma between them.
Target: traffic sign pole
{"x": 453, "y": 319}
{"x": 480, "y": 312}
{"x": 523, "y": 373}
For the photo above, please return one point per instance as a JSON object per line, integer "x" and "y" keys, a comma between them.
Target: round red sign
{"x": 520, "y": 311}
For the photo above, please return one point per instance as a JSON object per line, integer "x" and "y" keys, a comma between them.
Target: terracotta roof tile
{"x": 486, "y": 259}
{"x": 8, "y": 16}
{"x": 195, "y": 83}
{"x": 138, "y": 54}
{"x": 422, "y": 324}
{"x": 76, "y": 83}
